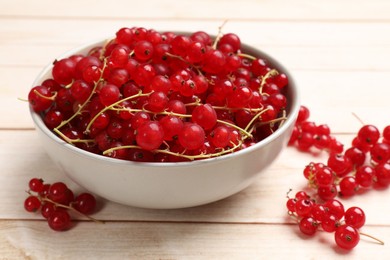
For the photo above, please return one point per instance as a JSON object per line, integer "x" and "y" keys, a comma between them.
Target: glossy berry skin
{"x": 308, "y": 226}
{"x": 59, "y": 220}
{"x": 355, "y": 216}
{"x": 347, "y": 237}
{"x": 369, "y": 134}
{"x": 39, "y": 98}
{"x": 32, "y": 204}
{"x": 205, "y": 116}
{"x": 192, "y": 136}
{"x": 85, "y": 203}
{"x": 150, "y": 135}
{"x": 36, "y": 184}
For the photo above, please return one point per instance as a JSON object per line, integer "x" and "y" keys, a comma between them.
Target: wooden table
{"x": 338, "y": 52}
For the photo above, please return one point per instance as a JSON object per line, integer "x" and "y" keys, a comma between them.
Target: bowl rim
{"x": 291, "y": 116}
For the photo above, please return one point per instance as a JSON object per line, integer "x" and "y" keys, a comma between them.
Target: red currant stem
{"x": 44, "y": 199}
{"x": 234, "y": 109}
{"x": 139, "y": 94}
{"x": 190, "y": 157}
{"x": 374, "y": 238}
{"x": 45, "y": 97}
{"x": 264, "y": 78}
{"x": 71, "y": 208}
{"x": 244, "y": 131}
{"x": 81, "y": 107}
{"x": 196, "y": 103}
{"x": 102, "y": 57}
{"x": 273, "y": 121}
{"x": 255, "y": 118}
{"x": 177, "y": 57}
{"x": 22, "y": 99}
{"x": 288, "y": 193}
{"x": 72, "y": 141}
{"x": 358, "y": 118}
{"x": 219, "y": 35}
{"x": 69, "y": 85}
{"x": 248, "y": 56}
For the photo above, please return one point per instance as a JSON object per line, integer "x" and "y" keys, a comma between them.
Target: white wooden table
{"x": 338, "y": 52}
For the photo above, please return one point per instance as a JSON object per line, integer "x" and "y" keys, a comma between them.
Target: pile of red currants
{"x": 163, "y": 97}
{"x": 347, "y": 172}
{"x": 55, "y": 201}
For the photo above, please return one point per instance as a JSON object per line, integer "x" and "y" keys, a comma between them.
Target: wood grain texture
{"x": 338, "y": 53}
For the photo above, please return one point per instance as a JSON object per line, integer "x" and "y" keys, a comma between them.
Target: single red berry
{"x": 205, "y": 116}
{"x": 58, "y": 192}
{"x": 301, "y": 195}
{"x": 364, "y": 176}
{"x": 340, "y": 164}
{"x": 303, "y": 207}
{"x": 335, "y": 208}
{"x": 303, "y": 115}
{"x": 347, "y": 237}
{"x": 380, "y": 152}
{"x": 354, "y": 216}
{"x": 36, "y": 184}
{"x": 382, "y": 174}
{"x": 150, "y": 135}
{"x": 59, "y": 220}
{"x": 327, "y": 192}
{"x": 290, "y": 204}
{"x": 329, "y": 223}
{"x": 32, "y": 204}
{"x": 386, "y": 134}
{"x": 85, "y": 203}
{"x": 369, "y": 134}
{"x": 47, "y": 209}
{"x": 192, "y": 136}
{"x": 40, "y": 98}
{"x": 308, "y": 226}
{"x": 348, "y": 186}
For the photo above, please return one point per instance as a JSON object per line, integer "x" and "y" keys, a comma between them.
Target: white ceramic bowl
{"x": 167, "y": 185}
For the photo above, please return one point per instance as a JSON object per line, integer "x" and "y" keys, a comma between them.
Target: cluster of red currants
{"x": 307, "y": 134}
{"x": 364, "y": 165}
{"x": 162, "y": 97}
{"x": 330, "y": 216}
{"x": 347, "y": 172}
{"x": 55, "y": 200}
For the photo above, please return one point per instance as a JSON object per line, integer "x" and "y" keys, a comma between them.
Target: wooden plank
{"x": 331, "y": 46}
{"x": 248, "y": 9}
{"x": 119, "y": 240}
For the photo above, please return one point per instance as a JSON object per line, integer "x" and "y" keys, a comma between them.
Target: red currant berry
{"x": 36, "y": 185}
{"x": 303, "y": 207}
{"x": 335, "y": 208}
{"x": 59, "y": 220}
{"x": 369, "y": 134}
{"x": 348, "y": 186}
{"x": 150, "y": 135}
{"x": 327, "y": 192}
{"x": 355, "y": 217}
{"x": 32, "y": 204}
{"x": 40, "y": 98}
{"x": 329, "y": 223}
{"x": 192, "y": 136}
{"x": 308, "y": 226}
{"x": 347, "y": 237}
{"x": 85, "y": 203}
{"x": 364, "y": 176}
{"x": 205, "y": 116}
{"x": 47, "y": 209}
